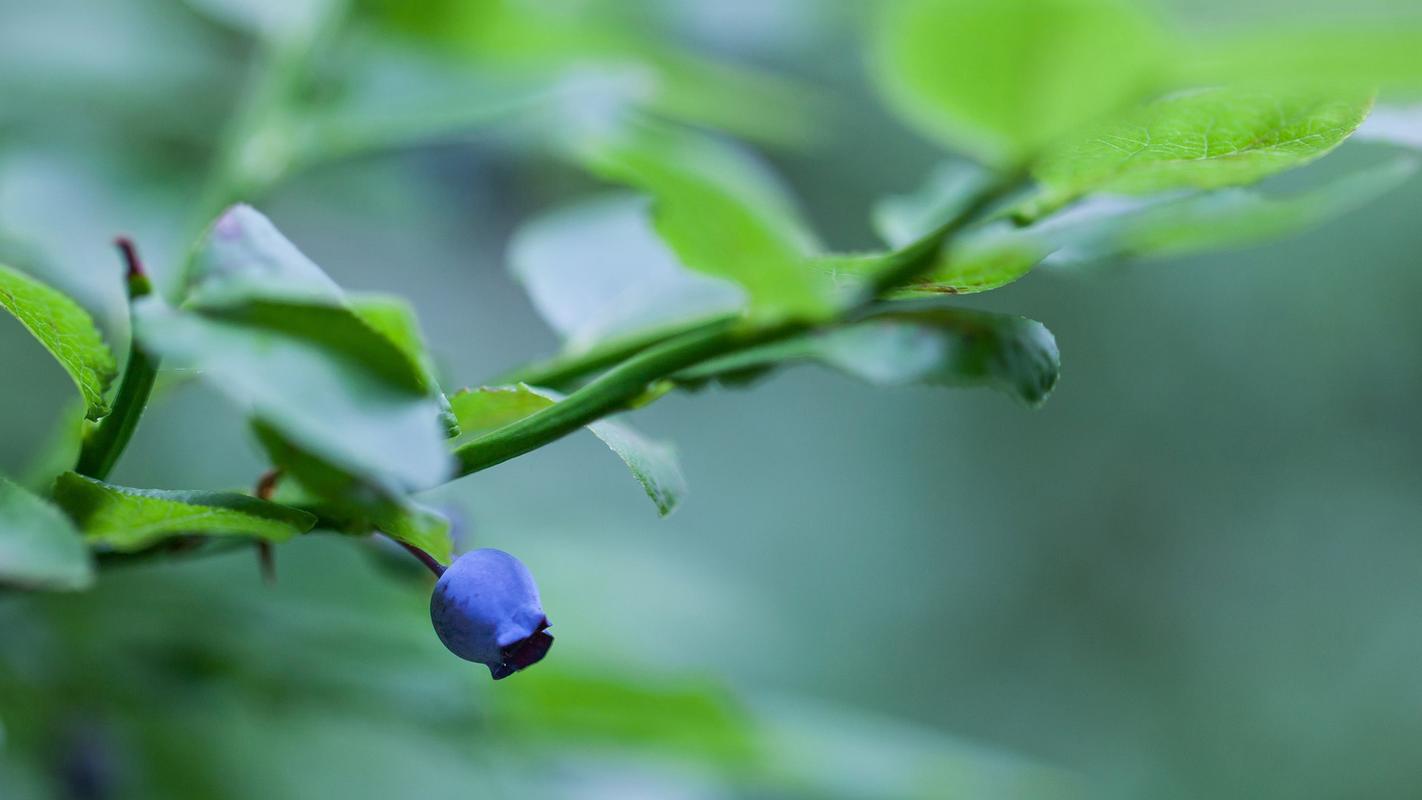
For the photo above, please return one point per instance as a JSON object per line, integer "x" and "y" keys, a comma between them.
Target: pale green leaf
{"x": 556, "y": 42}
{"x": 350, "y": 503}
{"x": 66, "y": 330}
{"x": 316, "y": 394}
{"x": 597, "y": 272}
{"x": 652, "y": 463}
{"x": 1201, "y": 139}
{"x": 125, "y": 519}
{"x": 1002, "y": 79}
{"x": 915, "y": 344}
{"x": 39, "y": 547}
{"x": 719, "y": 212}
{"x": 1114, "y": 227}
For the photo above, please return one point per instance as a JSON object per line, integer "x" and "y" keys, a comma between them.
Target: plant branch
{"x": 106, "y": 443}
{"x": 628, "y": 380}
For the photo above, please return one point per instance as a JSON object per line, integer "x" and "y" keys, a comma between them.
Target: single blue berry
{"x": 485, "y": 608}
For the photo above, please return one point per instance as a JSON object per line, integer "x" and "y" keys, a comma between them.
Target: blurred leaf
{"x": 280, "y": 20}
{"x": 720, "y": 212}
{"x": 244, "y": 256}
{"x": 653, "y": 464}
{"x": 597, "y": 272}
{"x": 1114, "y": 227}
{"x": 1344, "y": 57}
{"x": 684, "y": 717}
{"x": 131, "y": 519}
{"x": 903, "y": 219}
{"x": 322, "y": 398}
{"x": 66, "y": 330}
{"x": 1201, "y": 139}
{"x": 1395, "y": 125}
{"x": 352, "y": 504}
{"x": 916, "y": 344}
{"x": 351, "y": 385}
{"x": 554, "y": 42}
{"x": 1002, "y": 79}
{"x": 39, "y": 547}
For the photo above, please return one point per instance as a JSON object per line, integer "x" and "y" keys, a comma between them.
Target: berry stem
{"x": 424, "y": 558}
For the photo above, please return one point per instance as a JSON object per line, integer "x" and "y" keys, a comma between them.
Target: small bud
{"x": 485, "y": 608}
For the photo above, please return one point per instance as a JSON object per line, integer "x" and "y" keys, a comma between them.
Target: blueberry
{"x": 485, "y": 608}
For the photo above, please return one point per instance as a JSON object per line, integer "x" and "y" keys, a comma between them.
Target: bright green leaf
{"x": 39, "y": 547}
{"x": 1350, "y": 57}
{"x": 653, "y": 464}
{"x": 719, "y": 212}
{"x": 66, "y": 330}
{"x": 598, "y": 272}
{"x": 1201, "y": 139}
{"x": 978, "y": 261}
{"x": 127, "y": 519}
{"x": 1003, "y": 79}
{"x": 916, "y": 344}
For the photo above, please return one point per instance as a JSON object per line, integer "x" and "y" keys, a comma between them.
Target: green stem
{"x": 564, "y": 371}
{"x": 629, "y": 380}
{"x": 614, "y": 390}
{"x": 106, "y": 443}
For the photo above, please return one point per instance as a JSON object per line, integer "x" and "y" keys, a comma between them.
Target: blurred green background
{"x": 1194, "y": 573}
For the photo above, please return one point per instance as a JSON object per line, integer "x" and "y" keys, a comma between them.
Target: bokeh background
{"x": 1196, "y": 572}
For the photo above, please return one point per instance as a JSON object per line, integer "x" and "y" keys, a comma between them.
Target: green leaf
{"x": 1002, "y": 79}
{"x": 127, "y": 519}
{"x": 317, "y": 395}
{"x": 653, "y": 464}
{"x": 979, "y": 260}
{"x": 598, "y": 272}
{"x": 350, "y": 383}
{"x": 66, "y": 330}
{"x": 1202, "y": 139}
{"x": 915, "y": 344}
{"x": 562, "y": 42}
{"x": 719, "y": 212}
{"x": 39, "y": 547}
{"x": 350, "y": 503}
{"x": 1344, "y": 56}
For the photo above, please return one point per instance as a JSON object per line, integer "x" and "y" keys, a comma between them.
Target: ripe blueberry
{"x": 485, "y": 608}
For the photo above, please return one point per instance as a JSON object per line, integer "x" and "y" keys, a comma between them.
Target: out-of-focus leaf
{"x": 352, "y": 504}
{"x": 66, "y": 330}
{"x": 1357, "y": 57}
{"x": 719, "y": 212}
{"x": 350, "y": 383}
{"x": 902, "y": 220}
{"x": 598, "y": 272}
{"x": 1201, "y": 139}
{"x": 1003, "y": 79}
{"x": 554, "y": 41}
{"x": 272, "y": 19}
{"x": 39, "y": 547}
{"x": 244, "y": 256}
{"x": 1113, "y": 227}
{"x": 683, "y": 717}
{"x": 1397, "y": 125}
{"x": 319, "y": 397}
{"x": 130, "y": 519}
{"x": 916, "y": 344}
{"x": 652, "y": 463}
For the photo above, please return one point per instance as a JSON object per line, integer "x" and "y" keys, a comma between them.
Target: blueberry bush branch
{"x": 707, "y": 272}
